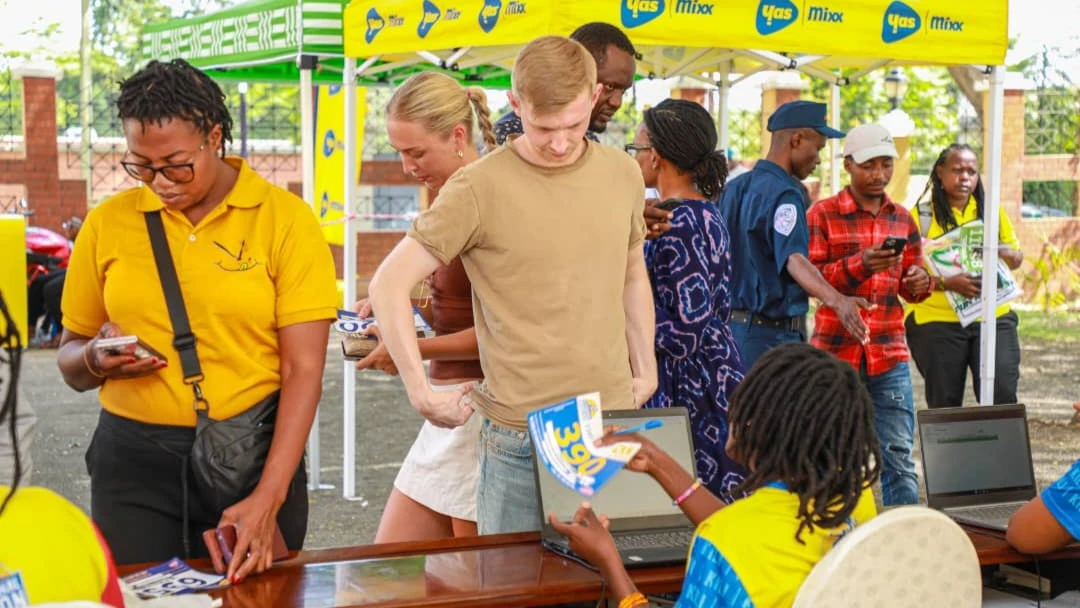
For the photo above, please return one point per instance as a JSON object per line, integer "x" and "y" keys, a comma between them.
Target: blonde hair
{"x": 440, "y": 103}
{"x": 551, "y": 71}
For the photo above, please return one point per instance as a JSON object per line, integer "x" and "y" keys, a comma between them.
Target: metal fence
{"x": 1052, "y": 121}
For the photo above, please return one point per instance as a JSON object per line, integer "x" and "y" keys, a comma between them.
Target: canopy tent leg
{"x": 992, "y": 176}
{"x": 348, "y": 372}
{"x": 307, "y": 159}
{"x": 723, "y": 115}
{"x": 834, "y": 144}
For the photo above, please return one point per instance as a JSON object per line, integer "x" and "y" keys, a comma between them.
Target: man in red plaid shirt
{"x": 866, "y": 245}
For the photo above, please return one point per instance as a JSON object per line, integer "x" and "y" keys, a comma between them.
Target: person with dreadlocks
{"x": 942, "y": 348}
{"x": 257, "y": 281}
{"x": 50, "y": 551}
{"x": 698, "y": 362}
{"x": 803, "y": 424}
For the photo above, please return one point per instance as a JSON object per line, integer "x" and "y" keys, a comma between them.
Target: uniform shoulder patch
{"x": 785, "y": 219}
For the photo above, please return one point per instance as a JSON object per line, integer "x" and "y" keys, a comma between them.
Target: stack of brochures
{"x": 565, "y": 437}
{"x": 356, "y": 345}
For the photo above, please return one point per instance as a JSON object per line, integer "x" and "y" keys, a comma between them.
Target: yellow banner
{"x": 330, "y": 157}
{"x": 13, "y": 272}
{"x": 913, "y": 31}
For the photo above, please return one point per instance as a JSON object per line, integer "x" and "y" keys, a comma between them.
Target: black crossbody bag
{"x": 228, "y": 455}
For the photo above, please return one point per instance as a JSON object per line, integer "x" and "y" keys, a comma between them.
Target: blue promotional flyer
{"x": 565, "y": 437}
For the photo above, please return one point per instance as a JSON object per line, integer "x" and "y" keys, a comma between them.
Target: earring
{"x": 460, "y": 154}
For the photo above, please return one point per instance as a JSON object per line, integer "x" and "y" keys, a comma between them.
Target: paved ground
{"x": 386, "y": 426}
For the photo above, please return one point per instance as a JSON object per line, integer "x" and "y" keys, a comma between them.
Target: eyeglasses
{"x": 177, "y": 173}
{"x": 633, "y": 149}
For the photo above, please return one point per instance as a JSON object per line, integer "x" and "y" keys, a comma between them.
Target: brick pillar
{"x": 777, "y": 90}
{"x": 694, "y": 94}
{"x": 52, "y": 201}
{"x": 1012, "y": 149}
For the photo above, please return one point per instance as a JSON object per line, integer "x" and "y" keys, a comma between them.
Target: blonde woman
{"x": 434, "y": 496}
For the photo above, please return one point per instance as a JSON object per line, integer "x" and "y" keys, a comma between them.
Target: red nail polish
{"x": 131, "y": 359}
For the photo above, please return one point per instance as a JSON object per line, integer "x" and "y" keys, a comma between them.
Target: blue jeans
{"x": 754, "y": 340}
{"x": 894, "y": 422}
{"x": 507, "y": 500}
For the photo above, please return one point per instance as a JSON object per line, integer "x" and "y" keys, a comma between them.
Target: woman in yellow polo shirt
{"x": 944, "y": 350}
{"x": 257, "y": 279}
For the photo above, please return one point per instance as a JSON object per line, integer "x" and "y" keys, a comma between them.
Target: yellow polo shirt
{"x": 256, "y": 263}
{"x": 936, "y": 308}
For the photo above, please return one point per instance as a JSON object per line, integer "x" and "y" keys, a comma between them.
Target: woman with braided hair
{"x": 257, "y": 282}
{"x": 944, "y": 351}
{"x": 803, "y": 424}
{"x": 689, "y": 267}
{"x": 434, "y": 495}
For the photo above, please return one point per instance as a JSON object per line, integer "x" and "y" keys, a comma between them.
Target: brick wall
{"x": 53, "y": 200}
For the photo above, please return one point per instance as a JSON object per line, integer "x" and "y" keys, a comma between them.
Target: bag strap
{"x": 183, "y": 338}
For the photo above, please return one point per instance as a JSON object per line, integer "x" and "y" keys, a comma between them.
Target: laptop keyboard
{"x": 993, "y": 514}
{"x": 673, "y": 539}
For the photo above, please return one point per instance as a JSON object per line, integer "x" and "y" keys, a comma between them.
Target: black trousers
{"x": 138, "y": 497}
{"x": 945, "y": 352}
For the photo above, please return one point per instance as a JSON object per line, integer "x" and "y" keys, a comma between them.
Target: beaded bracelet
{"x": 632, "y": 600}
{"x": 687, "y": 492}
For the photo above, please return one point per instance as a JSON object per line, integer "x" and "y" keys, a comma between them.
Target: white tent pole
{"x": 307, "y": 159}
{"x": 352, "y": 147}
{"x": 723, "y": 116}
{"x": 992, "y": 178}
{"x": 834, "y": 144}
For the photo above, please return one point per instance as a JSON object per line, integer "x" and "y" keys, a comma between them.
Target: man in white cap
{"x": 866, "y": 245}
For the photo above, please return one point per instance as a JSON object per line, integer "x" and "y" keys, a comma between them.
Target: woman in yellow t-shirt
{"x": 257, "y": 281}
{"x": 944, "y": 350}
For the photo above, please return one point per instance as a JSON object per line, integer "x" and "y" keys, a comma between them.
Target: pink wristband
{"x": 687, "y": 492}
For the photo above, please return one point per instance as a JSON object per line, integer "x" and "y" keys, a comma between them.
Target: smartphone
{"x": 669, "y": 204}
{"x": 128, "y": 345}
{"x": 895, "y": 243}
{"x": 221, "y": 541}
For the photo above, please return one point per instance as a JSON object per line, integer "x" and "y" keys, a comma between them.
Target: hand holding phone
{"x": 895, "y": 243}
{"x": 131, "y": 346}
{"x": 221, "y": 541}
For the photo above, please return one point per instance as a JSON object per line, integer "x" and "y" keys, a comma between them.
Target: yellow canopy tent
{"x": 716, "y": 41}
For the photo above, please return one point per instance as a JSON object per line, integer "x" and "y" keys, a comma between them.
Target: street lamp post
{"x": 895, "y": 87}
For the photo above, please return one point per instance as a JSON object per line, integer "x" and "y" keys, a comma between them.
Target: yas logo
{"x": 429, "y": 19}
{"x": 823, "y": 14}
{"x": 375, "y": 24}
{"x": 489, "y": 15}
{"x": 331, "y": 143}
{"x": 944, "y": 24}
{"x": 900, "y": 21}
{"x": 636, "y": 13}
{"x": 236, "y": 262}
{"x": 775, "y": 15}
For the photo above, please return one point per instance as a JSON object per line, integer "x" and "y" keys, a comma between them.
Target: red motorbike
{"x": 47, "y": 254}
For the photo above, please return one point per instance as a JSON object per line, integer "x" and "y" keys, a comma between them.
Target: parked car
{"x": 1032, "y": 210}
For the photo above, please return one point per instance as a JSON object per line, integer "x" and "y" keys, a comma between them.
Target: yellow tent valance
{"x": 851, "y": 32}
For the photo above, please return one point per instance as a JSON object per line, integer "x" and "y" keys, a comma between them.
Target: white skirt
{"x": 442, "y": 469}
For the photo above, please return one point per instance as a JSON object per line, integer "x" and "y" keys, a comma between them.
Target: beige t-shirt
{"x": 546, "y": 250}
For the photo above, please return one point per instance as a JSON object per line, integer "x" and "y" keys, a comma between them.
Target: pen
{"x": 651, "y": 424}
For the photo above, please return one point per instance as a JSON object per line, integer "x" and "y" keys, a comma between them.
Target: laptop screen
{"x": 978, "y": 452}
{"x": 629, "y": 495}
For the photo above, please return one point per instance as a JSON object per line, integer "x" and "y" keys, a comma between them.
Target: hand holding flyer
{"x": 355, "y": 344}
{"x": 565, "y": 436}
{"x": 960, "y": 251}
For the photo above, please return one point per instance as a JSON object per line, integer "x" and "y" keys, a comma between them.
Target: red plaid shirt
{"x": 839, "y": 233}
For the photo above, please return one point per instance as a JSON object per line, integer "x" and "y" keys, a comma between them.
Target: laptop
{"x": 648, "y": 529}
{"x": 977, "y": 462}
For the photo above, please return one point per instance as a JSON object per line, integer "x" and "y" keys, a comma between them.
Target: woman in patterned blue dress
{"x": 698, "y": 363}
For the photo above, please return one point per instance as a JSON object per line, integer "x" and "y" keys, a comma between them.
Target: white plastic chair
{"x": 906, "y": 557}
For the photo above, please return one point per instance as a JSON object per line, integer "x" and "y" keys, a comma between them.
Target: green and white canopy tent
{"x": 285, "y": 41}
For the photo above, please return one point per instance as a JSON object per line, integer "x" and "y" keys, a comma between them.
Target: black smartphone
{"x": 669, "y": 204}
{"x": 895, "y": 243}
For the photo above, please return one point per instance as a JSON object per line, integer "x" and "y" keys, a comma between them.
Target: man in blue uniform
{"x": 765, "y": 211}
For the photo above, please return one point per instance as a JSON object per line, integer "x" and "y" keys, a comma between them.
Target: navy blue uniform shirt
{"x": 765, "y": 212}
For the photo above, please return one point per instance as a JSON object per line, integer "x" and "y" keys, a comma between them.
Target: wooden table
{"x": 499, "y": 570}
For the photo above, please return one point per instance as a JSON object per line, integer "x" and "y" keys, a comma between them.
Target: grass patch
{"x": 1049, "y": 326}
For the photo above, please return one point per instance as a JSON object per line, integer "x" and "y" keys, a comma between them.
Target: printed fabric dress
{"x": 698, "y": 362}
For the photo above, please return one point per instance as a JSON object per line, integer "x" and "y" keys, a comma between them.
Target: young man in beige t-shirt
{"x": 550, "y": 230}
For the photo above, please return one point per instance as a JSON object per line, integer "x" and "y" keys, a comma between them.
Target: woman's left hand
{"x": 589, "y": 537}
{"x": 255, "y": 518}
{"x": 1013, "y": 258}
{"x": 379, "y": 358}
